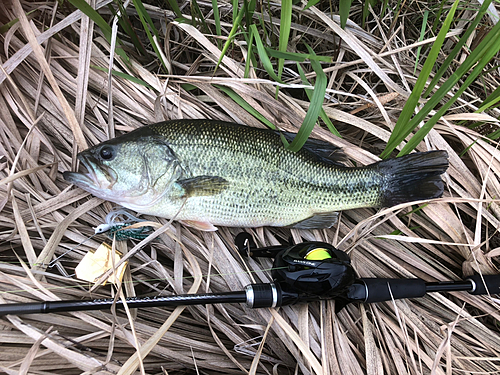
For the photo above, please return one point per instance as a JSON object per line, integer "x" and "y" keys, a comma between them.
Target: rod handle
{"x": 491, "y": 284}
{"x": 379, "y": 289}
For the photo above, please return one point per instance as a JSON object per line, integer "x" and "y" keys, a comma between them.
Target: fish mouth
{"x": 96, "y": 178}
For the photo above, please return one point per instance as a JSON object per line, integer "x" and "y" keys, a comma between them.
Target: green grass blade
{"x": 365, "y": 12}
{"x": 344, "y": 9}
{"x": 249, "y": 11}
{"x": 197, "y": 11}
{"x": 315, "y": 106}
{"x": 466, "y": 150}
{"x": 426, "y": 128}
{"x": 126, "y": 25}
{"x": 329, "y": 123}
{"x": 264, "y": 58}
{"x": 188, "y": 86}
{"x": 235, "y": 10}
{"x": 83, "y": 6}
{"x": 250, "y": 56}
{"x": 489, "y": 49}
{"x": 4, "y": 28}
{"x": 8, "y": 25}
{"x": 437, "y": 16}
{"x": 232, "y": 33}
{"x": 422, "y": 34}
{"x": 90, "y": 12}
{"x": 311, "y": 3}
{"x": 403, "y": 127}
{"x": 175, "y": 7}
{"x": 323, "y": 114}
{"x": 145, "y": 18}
{"x": 244, "y": 104}
{"x": 384, "y": 8}
{"x": 285, "y": 26}
{"x": 490, "y": 101}
{"x": 295, "y": 56}
{"x": 218, "y": 28}
{"x": 494, "y": 135}
{"x": 458, "y": 47}
{"x": 149, "y": 28}
{"x": 124, "y": 76}
{"x": 486, "y": 45}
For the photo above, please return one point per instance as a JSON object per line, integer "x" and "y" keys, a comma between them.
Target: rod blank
{"x": 103, "y": 304}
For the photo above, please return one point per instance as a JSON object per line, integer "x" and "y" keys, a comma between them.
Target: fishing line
{"x": 114, "y": 226}
{"x": 53, "y": 262}
{"x": 111, "y": 224}
{"x": 139, "y": 282}
{"x": 305, "y": 272}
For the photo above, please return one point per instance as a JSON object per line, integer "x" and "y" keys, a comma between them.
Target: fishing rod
{"x": 305, "y": 272}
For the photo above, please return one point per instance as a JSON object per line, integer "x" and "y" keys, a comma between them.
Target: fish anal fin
{"x": 317, "y": 221}
{"x": 200, "y": 186}
{"x": 201, "y": 225}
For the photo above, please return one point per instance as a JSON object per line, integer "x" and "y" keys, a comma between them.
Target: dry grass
{"x": 53, "y": 100}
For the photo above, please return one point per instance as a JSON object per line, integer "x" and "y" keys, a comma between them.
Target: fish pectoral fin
{"x": 202, "y": 186}
{"x": 317, "y": 221}
{"x": 201, "y": 225}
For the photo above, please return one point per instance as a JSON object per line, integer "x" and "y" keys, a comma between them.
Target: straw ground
{"x": 68, "y": 81}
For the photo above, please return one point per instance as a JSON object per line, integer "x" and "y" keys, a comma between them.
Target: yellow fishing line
{"x": 318, "y": 254}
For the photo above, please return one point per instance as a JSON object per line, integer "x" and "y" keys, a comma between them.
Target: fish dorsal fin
{"x": 317, "y": 221}
{"x": 324, "y": 151}
{"x": 200, "y": 186}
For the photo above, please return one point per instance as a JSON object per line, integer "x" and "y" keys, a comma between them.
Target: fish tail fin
{"x": 413, "y": 177}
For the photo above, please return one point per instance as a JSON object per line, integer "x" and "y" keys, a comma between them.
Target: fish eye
{"x": 107, "y": 153}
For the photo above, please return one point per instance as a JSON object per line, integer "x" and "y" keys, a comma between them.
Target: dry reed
{"x": 54, "y": 100}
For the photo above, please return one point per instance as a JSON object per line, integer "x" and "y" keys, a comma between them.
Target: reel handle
{"x": 248, "y": 248}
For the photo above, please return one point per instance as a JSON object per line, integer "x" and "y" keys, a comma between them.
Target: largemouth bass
{"x": 207, "y": 173}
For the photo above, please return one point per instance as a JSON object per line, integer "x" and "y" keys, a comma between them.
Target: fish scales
{"x": 207, "y": 173}
{"x": 265, "y": 179}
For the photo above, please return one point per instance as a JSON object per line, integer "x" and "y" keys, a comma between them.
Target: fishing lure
{"x": 117, "y": 225}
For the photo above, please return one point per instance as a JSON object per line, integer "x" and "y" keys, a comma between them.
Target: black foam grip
{"x": 387, "y": 289}
{"x": 491, "y": 284}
